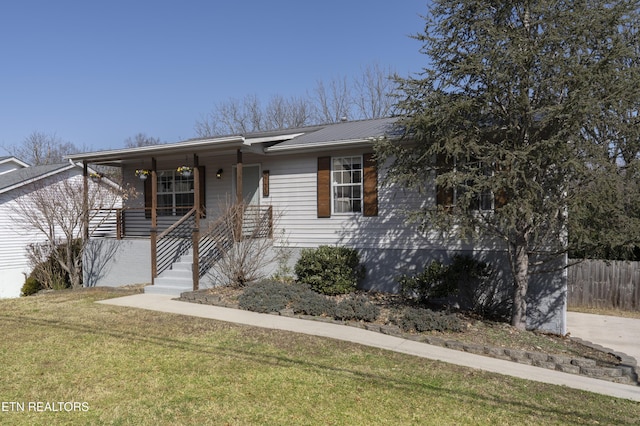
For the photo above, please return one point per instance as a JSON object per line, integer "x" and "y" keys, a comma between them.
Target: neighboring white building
{"x": 17, "y": 179}
{"x": 320, "y": 181}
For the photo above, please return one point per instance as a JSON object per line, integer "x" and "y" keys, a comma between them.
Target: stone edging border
{"x": 627, "y": 372}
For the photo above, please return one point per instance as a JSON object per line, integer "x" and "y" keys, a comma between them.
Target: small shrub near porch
{"x": 330, "y": 270}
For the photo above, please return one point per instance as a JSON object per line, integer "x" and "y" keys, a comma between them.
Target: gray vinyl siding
{"x": 293, "y": 187}
{"x": 293, "y": 194}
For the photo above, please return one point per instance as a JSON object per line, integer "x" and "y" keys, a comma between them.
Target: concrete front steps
{"x": 174, "y": 281}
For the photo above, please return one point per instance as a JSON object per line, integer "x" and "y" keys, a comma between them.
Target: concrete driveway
{"x": 619, "y": 334}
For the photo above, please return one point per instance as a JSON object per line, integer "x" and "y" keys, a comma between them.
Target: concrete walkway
{"x": 164, "y": 303}
{"x": 619, "y": 334}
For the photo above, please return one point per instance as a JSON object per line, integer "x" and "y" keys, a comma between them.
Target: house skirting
{"x": 113, "y": 263}
{"x": 110, "y": 262}
{"x": 547, "y": 295}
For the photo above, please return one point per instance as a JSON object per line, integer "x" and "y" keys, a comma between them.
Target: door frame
{"x": 234, "y": 183}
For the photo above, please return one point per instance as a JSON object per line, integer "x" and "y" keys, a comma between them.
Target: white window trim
{"x": 477, "y": 208}
{"x": 334, "y": 185}
{"x": 173, "y": 193}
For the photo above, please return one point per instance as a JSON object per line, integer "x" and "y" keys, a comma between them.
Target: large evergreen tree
{"x": 523, "y": 107}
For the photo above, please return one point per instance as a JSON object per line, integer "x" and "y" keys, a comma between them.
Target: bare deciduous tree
{"x": 334, "y": 100}
{"x": 40, "y": 148}
{"x": 141, "y": 139}
{"x": 248, "y": 249}
{"x": 369, "y": 96}
{"x": 54, "y": 210}
{"x": 372, "y": 92}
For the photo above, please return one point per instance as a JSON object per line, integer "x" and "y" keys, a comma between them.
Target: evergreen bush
{"x": 308, "y": 302}
{"x": 356, "y": 308}
{"x": 330, "y": 270}
{"x": 265, "y": 297}
{"x": 420, "y": 320}
{"x": 31, "y": 286}
{"x": 426, "y": 284}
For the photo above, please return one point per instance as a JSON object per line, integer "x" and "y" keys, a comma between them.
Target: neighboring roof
{"x": 11, "y": 159}
{"x": 319, "y": 137}
{"x": 20, "y": 177}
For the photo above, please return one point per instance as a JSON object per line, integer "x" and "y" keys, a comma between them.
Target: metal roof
{"x": 344, "y": 133}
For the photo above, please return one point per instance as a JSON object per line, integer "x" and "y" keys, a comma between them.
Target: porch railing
{"x": 130, "y": 222}
{"x": 217, "y": 241}
{"x": 178, "y": 235}
{"x": 175, "y": 241}
{"x": 257, "y": 222}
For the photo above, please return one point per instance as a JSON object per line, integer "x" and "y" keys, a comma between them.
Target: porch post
{"x": 85, "y": 202}
{"x": 239, "y": 177}
{"x": 196, "y": 227}
{"x": 240, "y": 210}
{"x": 153, "y": 232}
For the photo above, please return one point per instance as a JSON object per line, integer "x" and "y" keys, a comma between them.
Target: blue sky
{"x": 97, "y": 72}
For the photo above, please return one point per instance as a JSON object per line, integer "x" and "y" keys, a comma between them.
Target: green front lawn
{"x": 139, "y": 367}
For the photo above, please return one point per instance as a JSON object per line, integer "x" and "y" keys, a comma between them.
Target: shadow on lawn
{"x": 386, "y": 381}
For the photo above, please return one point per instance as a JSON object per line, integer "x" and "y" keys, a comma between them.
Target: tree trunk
{"x": 520, "y": 262}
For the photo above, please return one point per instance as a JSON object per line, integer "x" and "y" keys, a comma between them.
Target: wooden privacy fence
{"x": 604, "y": 284}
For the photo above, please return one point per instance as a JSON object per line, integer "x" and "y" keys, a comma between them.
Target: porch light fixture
{"x": 184, "y": 171}
{"x": 219, "y": 174}
{"x": 143, "y": 174}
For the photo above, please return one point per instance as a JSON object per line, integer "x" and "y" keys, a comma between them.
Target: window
{"x": 346, "y": 181}
{"x": 347, "y": 185}
{"x": 175, "y": 193}
{"x": 483, "y": 200}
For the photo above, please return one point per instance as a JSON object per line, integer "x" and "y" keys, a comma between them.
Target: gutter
{"x": 324, "y": 146}
{"x": 147, "y": 151}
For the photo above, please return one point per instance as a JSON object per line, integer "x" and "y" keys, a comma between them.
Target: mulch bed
{"x": 475, "y": 330}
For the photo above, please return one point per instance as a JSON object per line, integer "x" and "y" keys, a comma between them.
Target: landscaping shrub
{"x": 478, "y": 288}
{"x": 356, "y": 308}
{"x": 426, "y": 284}
{"x": 308, "y": 302}
{"x": 273, "y": 296}
{"x": 330, "y": 270}
{"x": 266, "y": 296}
{"x": 420, "y": 319}
{"x": 47, "y": 270}
{"x": 469, "y": 282}
{"x": 31, "y": 286}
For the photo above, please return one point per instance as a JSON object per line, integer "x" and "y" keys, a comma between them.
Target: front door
{"x": 250, "y": 183}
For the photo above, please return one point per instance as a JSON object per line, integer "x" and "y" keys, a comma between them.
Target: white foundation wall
{"x": 113, "y": 263}
{"x": 11, "y": 281}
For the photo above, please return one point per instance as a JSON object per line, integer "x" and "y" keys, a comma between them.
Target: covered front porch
{"x": 193, "y": 202}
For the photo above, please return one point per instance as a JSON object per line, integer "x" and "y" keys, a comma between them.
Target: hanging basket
{"x": 143, "y": 174}
{"x": 184, "y": 171}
